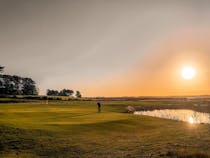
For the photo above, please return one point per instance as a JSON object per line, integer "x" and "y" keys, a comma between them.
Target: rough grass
{"x": 75, "y": 129}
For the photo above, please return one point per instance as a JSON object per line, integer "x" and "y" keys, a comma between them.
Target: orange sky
{"x": 160, "y": 75}
{"x": 108, "y": 48}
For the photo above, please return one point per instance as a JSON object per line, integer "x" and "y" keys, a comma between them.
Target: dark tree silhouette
{"x": 16, "y": 85}
{"x": 1, "y": 69}
{"x": 52, "y": 92}
{"x": 78, "y": 94}
{"x": 64, "y": 92}
{"x": 29, "y": 87}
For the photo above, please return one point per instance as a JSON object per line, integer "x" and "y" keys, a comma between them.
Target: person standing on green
{"x": 99, "y": 107}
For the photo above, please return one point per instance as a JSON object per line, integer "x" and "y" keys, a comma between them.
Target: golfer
{"x": 99, "y": 107}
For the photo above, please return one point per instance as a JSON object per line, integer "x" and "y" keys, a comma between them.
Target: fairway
{"x": 75, "y": 129}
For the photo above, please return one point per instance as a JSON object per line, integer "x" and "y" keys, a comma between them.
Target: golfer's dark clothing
{"x": 99, "y": 107}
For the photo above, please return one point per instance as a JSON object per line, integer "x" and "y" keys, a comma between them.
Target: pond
{"x": 180, "y": 115}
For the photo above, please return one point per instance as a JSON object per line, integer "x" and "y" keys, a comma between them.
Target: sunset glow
{"x": 114, "y": 54}
{"x": 188, "y": 72}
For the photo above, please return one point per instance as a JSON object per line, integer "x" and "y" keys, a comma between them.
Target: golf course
{"x": 76, "y": 129}
{"x": 104, "y": 78}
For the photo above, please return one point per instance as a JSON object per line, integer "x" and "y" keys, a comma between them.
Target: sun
{"x": 188, "y": 72}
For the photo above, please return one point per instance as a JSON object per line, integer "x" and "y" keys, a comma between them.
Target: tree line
{"x": 64, "y": 92}
{"x": 16, "y": 85}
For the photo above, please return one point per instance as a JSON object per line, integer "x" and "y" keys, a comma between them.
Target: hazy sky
{"x": 107, "y": 47}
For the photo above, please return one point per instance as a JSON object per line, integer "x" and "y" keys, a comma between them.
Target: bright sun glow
{"x": 188, "y": 72}
{"x": 191, "y": 121}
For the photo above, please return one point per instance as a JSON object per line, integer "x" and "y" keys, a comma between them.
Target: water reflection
{"x": 180, "y": 115}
